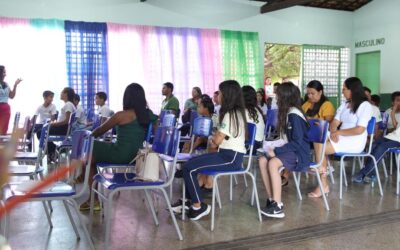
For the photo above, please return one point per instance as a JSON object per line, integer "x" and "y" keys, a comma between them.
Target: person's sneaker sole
{"x": 280, "y": 216}
{"x": 205, "y": 213}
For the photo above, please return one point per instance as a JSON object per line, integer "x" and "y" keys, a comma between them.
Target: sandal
{"x": 317, "y": 193}
{"x": 86, "y": 206}
{"x": 285, "y": 181}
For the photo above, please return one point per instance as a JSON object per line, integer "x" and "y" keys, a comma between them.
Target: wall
{"x": 381, "y": 19}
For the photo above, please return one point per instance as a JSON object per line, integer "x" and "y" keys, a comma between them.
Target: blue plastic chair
{"x": 166, "y": 144}
{"x": 271, "y": 122}
{"x": 163, "y": 113}
{"x": 367, "y": 153}
{"x": 251, "y": 127}
{"x": 33, "y": 171}
{"x": 60, "y": 138}
{"x": 317, "y": 133}
{"x": 396, "y": 152}
{"x": 168, "y": 120}
{"x": 82, "y": 150}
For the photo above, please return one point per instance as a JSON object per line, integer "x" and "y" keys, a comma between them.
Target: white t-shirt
{"x": 264, "y": 108}
{"x": 376, "y": 113}
{"x": 353, "y": 143}
{"x": 104, "y": 111}
{"x": 260, "y": 126}
{"x": 80, "y": 115}
{"x": 217, "y": 108}
{"x": 68, "y": 107}
{"x": 395, "y": 135}
{"x": 389, "y": 121}
{"x": 45, "y": 113}
{"x": 228, "y": 128}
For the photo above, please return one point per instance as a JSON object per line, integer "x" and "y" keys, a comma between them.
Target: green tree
{"x": 282, "y": 61}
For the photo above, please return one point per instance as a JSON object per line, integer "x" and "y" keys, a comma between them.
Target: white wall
{"x": 297, "y": 25}
{"x": 381, "y": 19}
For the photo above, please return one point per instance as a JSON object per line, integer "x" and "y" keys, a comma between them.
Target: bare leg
{"x": 263, "y": 164}
{"x": 273, "y": 167}
{"x": 329, "y": 150}
{"x": 209, "y": 181}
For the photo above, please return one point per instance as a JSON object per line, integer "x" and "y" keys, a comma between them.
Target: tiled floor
{"x": 133, "y": 226}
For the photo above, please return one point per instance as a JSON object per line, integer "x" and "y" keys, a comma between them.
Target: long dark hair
{"x": 232, "y": 103}
{"x": 356, "y": 88}
{"x": 317, "y": 85}
{"x": 2, "y": 68}
{"x": 70, "y": 93}
{"x": 262, "y": 93}
{"x": 206, "y": 101}
{"x": 288, "y": 96}
{"x": 135, "y": 98}
{"x": 250, "y": 102}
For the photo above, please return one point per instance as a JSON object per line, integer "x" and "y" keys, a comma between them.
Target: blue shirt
{"x": 4, "y": 93}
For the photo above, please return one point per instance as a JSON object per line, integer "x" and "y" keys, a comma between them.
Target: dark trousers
{"x": 59, "y": 130}
{"x": 379, "y": 148}
{"x": 223, "y": 160}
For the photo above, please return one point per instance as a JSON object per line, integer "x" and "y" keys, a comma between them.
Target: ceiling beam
{"x": 272, "y": 6}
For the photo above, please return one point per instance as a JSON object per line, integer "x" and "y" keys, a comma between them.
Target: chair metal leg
{"x": 170, "y": 192}
{"x": 323, "y": 192}
{"x": 178, "y": 231}
{"x": 377, "y": 174}
{"x": 92, "y": 194}
{"x": 398, "y": 174}
{"x": 47, "y": 214}
{"x": 297, "y": 184}
{"x": 236, "y": 182}
{"x": 151, "y": 205}
{"x": 354, "y": 166}
{"x": 108, "y": 213}
{"x": 71, "y": 219}
{"x": 256, "y": 195}
{"x": 385, "y": 170}
{"x": 245, "y": 181}
{"x": 330, "y": 172}
{"x": 344, "y": 173}
{"x": 218, "y": 196}
{"x": 391, "y": 163}
{"x": 230, "y": 187}
{"x": 341, "y": 179}
{"x": 80, "y": 218}
{"x": 183, "y": 199}
{"x": 213, "y": 202}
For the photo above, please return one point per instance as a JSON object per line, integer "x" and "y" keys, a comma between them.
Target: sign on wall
{"x": 370, "y": 43}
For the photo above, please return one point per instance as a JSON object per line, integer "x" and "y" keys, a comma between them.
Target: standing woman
{"x": 317, "y": 104}
{"x": 352, "y": 117}
{"x": 5, "y": 93}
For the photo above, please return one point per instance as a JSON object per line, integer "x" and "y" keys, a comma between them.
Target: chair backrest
{"x": 97, "y": 121}
{"x": 271, "y": 121}
{"x": 149, "y": 132}
{"x": 163, "y": 113}
{"x": 90, "y": 114}
{"x": 193, "y": 116}
{"x": 202, "y": 127}
{"x": 318, "y": 130}
{"x": 27, "y": 124}
{"x": 16, "y": 120}
{"x": 72, "y": 120}
{"x": 168, "y": 120}
{"x": 249, "y": 142}
{"x": 44, "y": 136}
{"x": 82, "y": 147}
{"x": 166, "y": 141}
{"x": 318, "y": 133}
{"x": 371, "y": 132}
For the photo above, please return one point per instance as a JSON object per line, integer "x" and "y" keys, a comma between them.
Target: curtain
{"x": 86, "y": 56}
{"x": 241, "y": 57}
{"x": 152, "y": 56}
{"x": 35, "y": 51}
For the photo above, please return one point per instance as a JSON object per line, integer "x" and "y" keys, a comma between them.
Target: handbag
{"x": 147, "y": 166}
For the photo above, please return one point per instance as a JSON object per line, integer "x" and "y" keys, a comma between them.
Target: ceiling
{"x": 347, "y": 5}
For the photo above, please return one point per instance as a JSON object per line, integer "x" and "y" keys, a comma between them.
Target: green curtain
{"x": 241, "y": 57}
{"x": 47, "y": 23}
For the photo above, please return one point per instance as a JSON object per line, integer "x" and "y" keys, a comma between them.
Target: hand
{"x": 18, "y": 81}
{"x": 335, "y": 136}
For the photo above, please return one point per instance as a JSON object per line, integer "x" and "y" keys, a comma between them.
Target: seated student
{"x": 170, "y": 102}
{"x": 393, "y": 113}
{"x": 317, "y": 104}
{"x": 376, "y": 100}
{"x": 254, "y": 114}
{"x": 60, "y": 127}
{"x": 294, "y": 155}
{"x": 79, "y": 114}
{"x": 205, "y": 108}
{"x": 131, "y": 124}
{"x": 100, "y": 100}
{"x": 45, "y": 112}
{"x": 375, "y": 112}
{"x": 379, "y": 148}
{"x": 217, "y": 105}
{"x": 191, "y": 103}
{"x": 353, "y": 117}
{"x": 230, "y": 138}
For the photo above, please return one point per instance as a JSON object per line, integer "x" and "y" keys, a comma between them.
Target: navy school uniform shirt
{"x": 297, "y": 137}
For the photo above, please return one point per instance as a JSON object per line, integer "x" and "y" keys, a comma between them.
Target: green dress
{"x": 130, "y": 138}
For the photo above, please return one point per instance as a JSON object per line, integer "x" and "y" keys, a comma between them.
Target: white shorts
{"x": 349, "y": 144}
